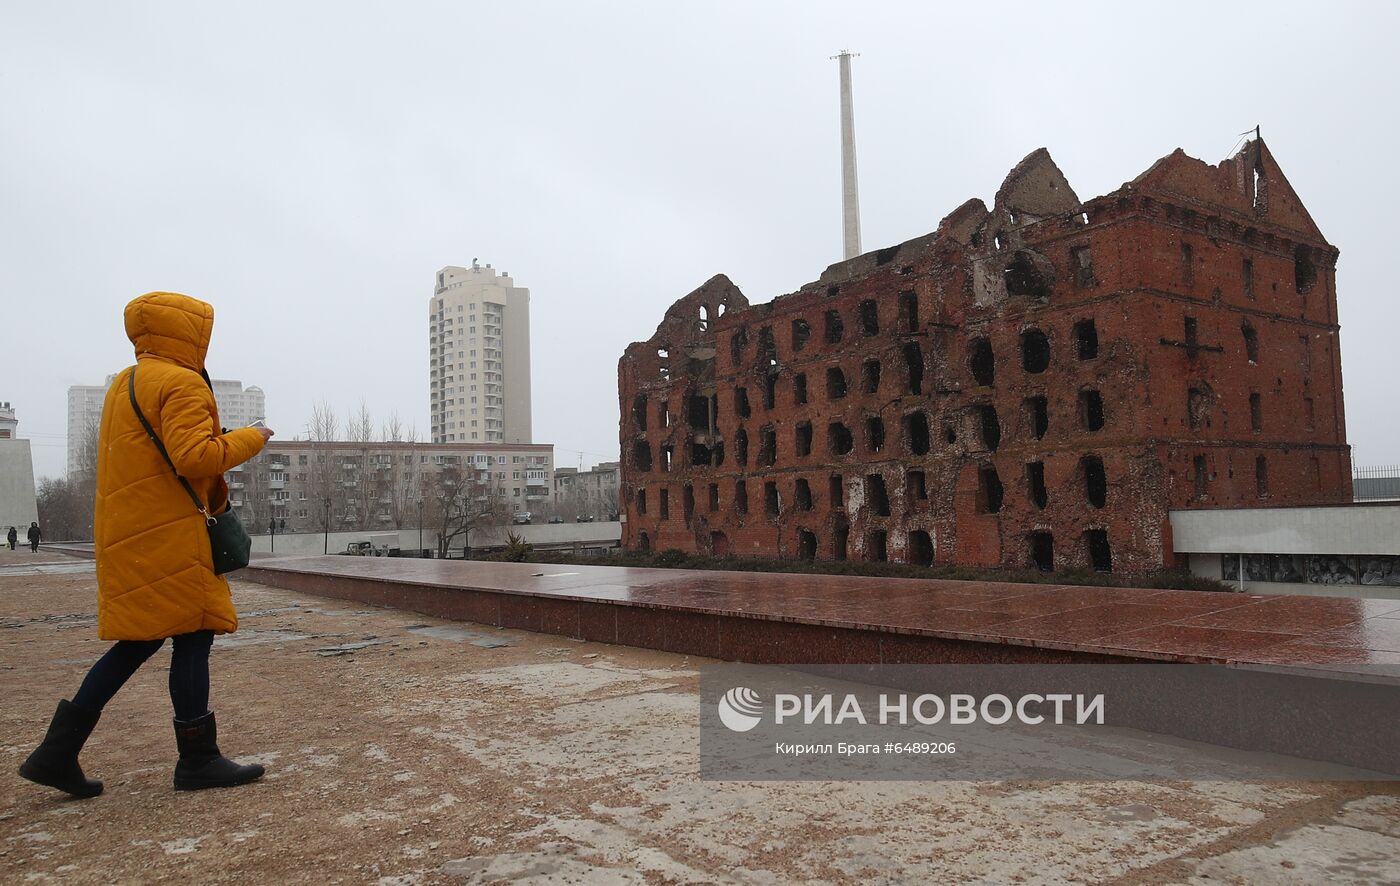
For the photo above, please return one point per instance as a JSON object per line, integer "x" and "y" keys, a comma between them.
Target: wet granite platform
{"x": 828, "y": 619}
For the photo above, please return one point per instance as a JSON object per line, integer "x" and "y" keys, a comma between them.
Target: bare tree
{"x": 64, "y": 511}
{"x": 324, "y": 479}
{"x": 461, "y": 501}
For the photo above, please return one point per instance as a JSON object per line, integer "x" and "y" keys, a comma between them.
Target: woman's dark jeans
{"x": 189, "y": 673}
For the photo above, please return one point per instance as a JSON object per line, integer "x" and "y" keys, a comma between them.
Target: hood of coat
{"x": 172, "y": 326}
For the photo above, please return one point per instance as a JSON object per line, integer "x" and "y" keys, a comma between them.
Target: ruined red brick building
{"x": 1037, "y": 384}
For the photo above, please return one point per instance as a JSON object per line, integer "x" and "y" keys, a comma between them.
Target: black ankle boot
{"x": 201, "y": 765}
{"x": 55, "y": 762}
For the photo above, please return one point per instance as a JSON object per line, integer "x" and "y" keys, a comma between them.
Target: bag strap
{"x": 131, "y": 392}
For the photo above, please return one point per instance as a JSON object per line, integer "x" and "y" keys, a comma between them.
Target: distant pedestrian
{"x": 12, "y": 537}
{"x": 156, "y": 575}
{"x": 34, "y": 536}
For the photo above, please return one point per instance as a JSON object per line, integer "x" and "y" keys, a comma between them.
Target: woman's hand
{"x": 266, "y": 433}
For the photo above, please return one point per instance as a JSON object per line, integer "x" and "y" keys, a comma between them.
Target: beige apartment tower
{"x": 479, "y": 357}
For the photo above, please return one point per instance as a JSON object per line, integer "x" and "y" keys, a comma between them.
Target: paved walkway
{"x": 405, "y": 750}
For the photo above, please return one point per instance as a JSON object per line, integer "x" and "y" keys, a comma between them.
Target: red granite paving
{"x": 851, "y": 618}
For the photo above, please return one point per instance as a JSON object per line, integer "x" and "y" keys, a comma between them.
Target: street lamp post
{"x": 272, "y": 533}
{"x": 420, "y": 527}
{"x": 326, "y": 522}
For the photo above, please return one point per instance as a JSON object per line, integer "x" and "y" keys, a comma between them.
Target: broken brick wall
{"x": 1038, "y": 383}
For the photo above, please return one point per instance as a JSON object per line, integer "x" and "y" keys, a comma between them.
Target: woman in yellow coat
{"x": 155, "y": 571}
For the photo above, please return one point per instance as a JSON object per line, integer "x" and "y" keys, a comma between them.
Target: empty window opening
{"x": 989, "y": 490}
{"x": 700, "y": 412}
{"x": 982, "y": 362}
{"x": 950, "y": 434}
{"x": 990, "y": 427}
{"x": 920, "y": 548}
{"x": 1042, "y": 549}
{"x": 838, "y": 438}
{"x": 688, "y": 500}
{"x": 1192, "y": 332}
{"x": 876, "y": 495}
{"x": 1082, "y": 261}
{"x": 1304, "y": 271}
{"x": 1251, "y": 341}
{"x": 639, "y": 412}
{"x": 998, "y": 241}
{"x": 741, "y": 402}
{"x": 741, "y": 447}
{"x": 835, "y": 383}
{"x": 877, "y": 546}
{"x": 1095, "y": 481}
{"x": 799, "y": 389}
{"x": 1198, "y": 472}
{"x": 663, "y": 414}
{"x": 870, "y": 376}
{"x": 665, "y": 504}
{"x": 1023, "y": 277}
{"x": 1035, "y": 351}
{"x": 1037, "y": 416}
{"x": 874, "y": 434}
{"x": 770, "y": 390}
{"x": 1198, "y": 408}
{"x": 909, "y": 310}
{"x": 665, "y": 356}
{"x": 1091, "y": 410}
{"x": 643, "y": 542}
{"x": 1248, "y": 274}
{"x": 666, "y": 453}
{"x": 915, "y": 488}
{"x": 916, "y": 435}
{"x": 1256, "y": 413}
{"x": 771, "y": 503}
{"x": 641, "y": 455}
{"x": 801, "y": 332}
{"x": 840, "y": 540}
{"x": 700, "y": 454}
{"x": 832, "y": 291}
{"x": 804, "y": 439}
{"x": 835, "y": 329}
{"x": 641, "y": 501}
{"x": 1086, "y": 338}
{"x": 914, "y": 368}
{"x": 737, "y": 343}
{"x": 767, "y": 348}
{"x": 1188, "y": 264}
{"x": 802, "y": 495}
{"x": 719, "y": 544}
{"x": 806, "y": 544}
{"x": 714, "y": 496}
{"x": 767, "y": 447}
{"x": 1035, "y": 476}
{"x": 741, "y": 496}
{"x": 704, "y": 317}
{"x": 1100, "y": 554}
{"x": 1261, "y": 476}
{"x": 869, "y": 317}
{"x": 835, "y": 491}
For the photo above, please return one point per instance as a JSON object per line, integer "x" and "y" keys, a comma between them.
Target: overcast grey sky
{"x": 307, "y": 167}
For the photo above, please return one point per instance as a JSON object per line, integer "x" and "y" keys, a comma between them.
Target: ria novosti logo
{"x": 740, "y": 709}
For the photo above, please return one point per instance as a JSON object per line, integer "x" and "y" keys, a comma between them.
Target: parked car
{"x": 521, "y": 519}
{"x": 556, "y": 519}
{"x": 584, "y": 518}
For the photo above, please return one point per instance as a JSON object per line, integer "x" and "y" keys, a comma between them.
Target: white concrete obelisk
{"x": 850, "y": 191}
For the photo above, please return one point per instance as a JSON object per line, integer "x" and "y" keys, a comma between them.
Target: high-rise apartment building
{"x": 479, "y": 357}
{"x": 238, "y": 407}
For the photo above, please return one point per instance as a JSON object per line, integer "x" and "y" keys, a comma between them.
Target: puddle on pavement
{"x": 461, "y": 635}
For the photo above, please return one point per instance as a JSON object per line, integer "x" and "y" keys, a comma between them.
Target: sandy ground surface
{"x": 448, "y": 753}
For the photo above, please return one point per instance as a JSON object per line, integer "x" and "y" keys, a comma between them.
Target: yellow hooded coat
{"x": 155, "y": 572}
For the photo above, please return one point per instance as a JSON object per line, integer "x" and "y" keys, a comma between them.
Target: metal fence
{"x": 1375, "y": 483}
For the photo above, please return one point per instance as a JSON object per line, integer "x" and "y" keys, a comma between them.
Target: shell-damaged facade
{"x": 1035, "y": 384}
